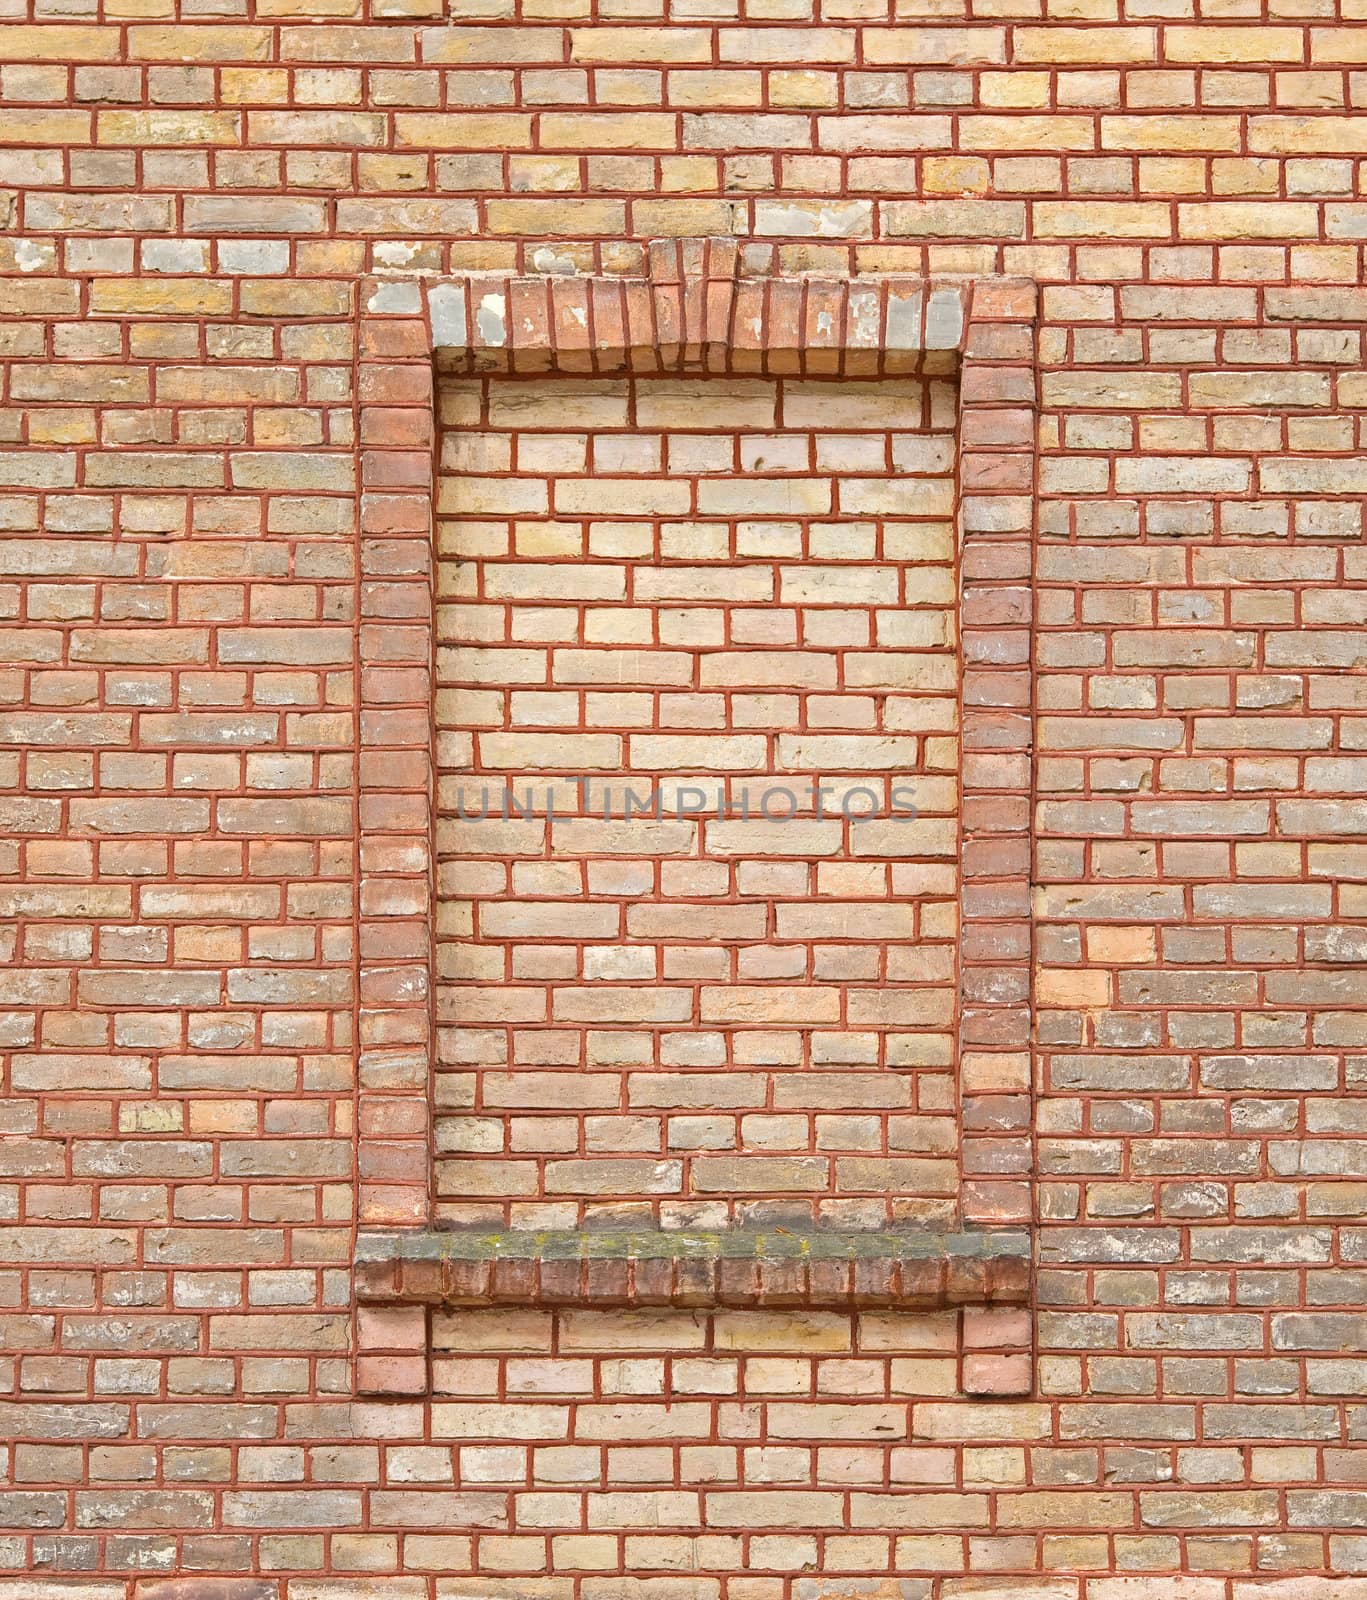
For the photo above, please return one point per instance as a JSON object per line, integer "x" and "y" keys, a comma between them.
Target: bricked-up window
{"x": 717, "y": 596}
{"x": 750, "y": 556}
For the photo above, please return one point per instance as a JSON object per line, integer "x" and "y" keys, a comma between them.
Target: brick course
{"x": 218, "y": 424}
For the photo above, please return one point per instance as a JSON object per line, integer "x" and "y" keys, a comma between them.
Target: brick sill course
{"x": 818, "y": 1270}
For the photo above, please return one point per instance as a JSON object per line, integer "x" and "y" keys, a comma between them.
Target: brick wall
{"x": 191, "y": 207}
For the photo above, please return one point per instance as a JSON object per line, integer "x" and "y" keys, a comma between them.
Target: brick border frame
{"x": 692, "y": 312}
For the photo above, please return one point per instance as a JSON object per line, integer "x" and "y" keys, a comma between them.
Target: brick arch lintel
{"x": 689, "y": 313}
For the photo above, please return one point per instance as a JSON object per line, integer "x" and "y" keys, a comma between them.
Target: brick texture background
{"x": 190, "y": 205}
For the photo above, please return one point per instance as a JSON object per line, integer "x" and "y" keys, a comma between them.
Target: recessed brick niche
{"x": 718, "y": 645}
{"x": 702, "y": 599}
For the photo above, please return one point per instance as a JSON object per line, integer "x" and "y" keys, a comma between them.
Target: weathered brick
{"x": 220, "y": 914}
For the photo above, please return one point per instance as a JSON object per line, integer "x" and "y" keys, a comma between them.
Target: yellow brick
{"x": 1172, "y": 175}
{"x": 460, "y": 46}
{"x": 308, "y": 9}
{"x": 679, "y": 173}
{"x": 933, "y": 46}
{"x": 1248, "y": 220}
{"x": 1039, "y": 1510}
{"x": 312, "y": 128}
{"x": 798, "y": 88}
{"x": 539, "y": 10}
{"x": 361, "y": 43}
{"x": 138, "y": 10}
{"x": 1122, "y": 946}
{"x": 682, "y": 218}
{"x": 1015, "y": 88}
{"x": 1101, "y": 219}
{"x": 1216, "y": 43}
{"x": 276, "y": 297}
{"x": 1170, "y": 134}
{"x": 1308, "y": 136}
{"x": 801, "y": 46}
{"x": 463, "y": 130}
{"x": 1335, "y": 263}
{"x": 161, "y": 297}
{"x": 645, "y": 44}
{"x": 719, "y": 88}
{"x": 1027, "y": 133}
{"x": 956, "y": 218}
{"x": 44, "y": 127}
{"x": 39, "y": 297}
{"x": 555, "y": 173}
{"x": 389, "y": 173}
{"x": 1336, "y": 47}
{"x": 167, "y": 127}
{"x": 812, "y": 1332}
{"x": 203, "y": 42}
{"x": 1059, "y": 46}
{"x": 606, "y": 130}
{"x": 541, "y": 217}
{"x": 65, "y": 426}
{"x": 405, "y": 218}
{"x": 966, "y": 175}
{"x": 254, "y": 86}
{"x": 627, "y": 86}
{"x": 61, "y": 42}
{"x": 1309, "y": 91}
{"x": 1257, "y": 175}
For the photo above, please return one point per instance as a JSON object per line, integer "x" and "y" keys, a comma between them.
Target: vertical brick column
{"x": 397, "y": 428}
{"x": 996, "y": 519}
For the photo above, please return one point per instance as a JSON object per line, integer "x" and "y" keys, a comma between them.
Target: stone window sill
{"x": 820, "y": 1270}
